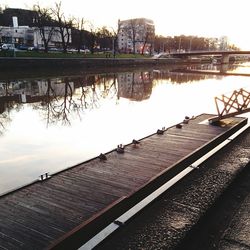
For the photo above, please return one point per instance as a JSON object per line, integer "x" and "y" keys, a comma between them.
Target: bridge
{"x": 225, "y": 55}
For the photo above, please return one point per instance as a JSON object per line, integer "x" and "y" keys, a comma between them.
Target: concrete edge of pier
{"x": 181, "y": 212}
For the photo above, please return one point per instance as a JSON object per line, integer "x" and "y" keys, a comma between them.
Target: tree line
{"x": 190, "y": 43}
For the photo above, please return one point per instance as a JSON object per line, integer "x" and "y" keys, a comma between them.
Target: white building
{"x": 55, "y": 39}
{"x": 136, "y": 86}
{"x": 223, "y": 43}
{"x": 29, "y": 36}
{"x": 136, "y": 35}
{"x": 16, "y": 34}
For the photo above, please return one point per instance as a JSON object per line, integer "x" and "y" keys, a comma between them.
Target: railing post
{"x": 225, "y": 59}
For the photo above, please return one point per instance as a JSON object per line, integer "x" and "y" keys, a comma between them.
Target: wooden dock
{"x": 76, "y": 203}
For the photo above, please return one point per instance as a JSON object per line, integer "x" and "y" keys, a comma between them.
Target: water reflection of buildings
{"x": 33, "y": 88}
{"x": 31, "y": 91}
{"x": 135, "y": 86}
{"x": 57, "y": 85}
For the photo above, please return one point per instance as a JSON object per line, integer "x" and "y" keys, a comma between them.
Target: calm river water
{"x": 51, "y": 123}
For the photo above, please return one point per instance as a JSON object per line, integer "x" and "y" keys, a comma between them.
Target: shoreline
{"x": 13, "y": 68}
{"x": 16, "y": 63}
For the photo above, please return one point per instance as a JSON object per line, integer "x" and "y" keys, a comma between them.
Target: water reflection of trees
{"x": 7, "y": 104}
{"x": 56, "y": 105}
{"x": 69, "y": 97}
{"x": 178, "y": 77}
{"x": 60, "y": 100}
{"x": 4, "y": 120}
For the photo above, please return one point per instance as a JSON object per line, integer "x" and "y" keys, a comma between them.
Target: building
{"x": 30, "y": 35}
{"x": 136, "y": 86}
{"x": 19, "y": 35}
{"x": 25, "y": 17}
{"x": 223, "y": 41}
{"x": 54, "y": 34}
{"x": 16, "y": 34}
{"x": 136, "y": 36}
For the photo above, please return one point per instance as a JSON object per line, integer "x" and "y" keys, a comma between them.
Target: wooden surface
{"x": 37, "y": 215}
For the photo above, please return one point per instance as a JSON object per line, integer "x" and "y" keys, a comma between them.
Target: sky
{"x": 210, "y": 18}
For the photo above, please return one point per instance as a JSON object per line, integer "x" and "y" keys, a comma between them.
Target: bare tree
{"x": 65, "y": 26}
{"x": 1, "y": 10}
{"x": 104, "y": 38}
{"x": 80, "y": 23}
{"x": 148, "y": 41}
{"x": 92, "y": 38}
{"x": 145, "y": 42}
{"x": 44, "y": 23}
{"x": 114, "y": 35}
{"x": 1, "y": 22}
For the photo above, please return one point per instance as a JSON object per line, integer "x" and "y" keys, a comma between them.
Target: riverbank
{"x": 29, "y": 63}
{"x": 12, "y": 69}
{"x": 21, "y": 63}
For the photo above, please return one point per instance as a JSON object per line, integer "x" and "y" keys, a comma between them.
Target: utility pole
{"x": 179, "y": 44}
{"x": 190, "y": 44}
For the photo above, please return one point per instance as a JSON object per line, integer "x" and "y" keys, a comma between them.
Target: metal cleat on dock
{"x": 44, "y": 177}
{"x": 186, "y": 120}
{"x": 194, "y": 167}
{"x": 120, "y": 149}
{"x": 135, "y": 143}
{"x": 160, "y": 131}
{"x": 119, "y": 223}
{"x": 102, "y": 157}
{"x": 178, "y": 125}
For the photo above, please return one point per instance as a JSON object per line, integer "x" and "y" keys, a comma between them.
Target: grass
{"x": 33, "y": 54}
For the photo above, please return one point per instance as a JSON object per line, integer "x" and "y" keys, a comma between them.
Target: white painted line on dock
{"x": 134, "y": 210}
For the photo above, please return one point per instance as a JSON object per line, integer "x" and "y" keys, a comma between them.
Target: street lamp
{"x": 13, "y": 43}
{"x": 179, "y": 44}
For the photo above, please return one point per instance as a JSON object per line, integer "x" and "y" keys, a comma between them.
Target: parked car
{"x": 33, "y": 48}
{"x": 54, "y": 49}
{"x": 85, "y": 51}
{"x": 8, "y": 46}
{"x": 72, "y": 50}
{"x": 23, "y": 47}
